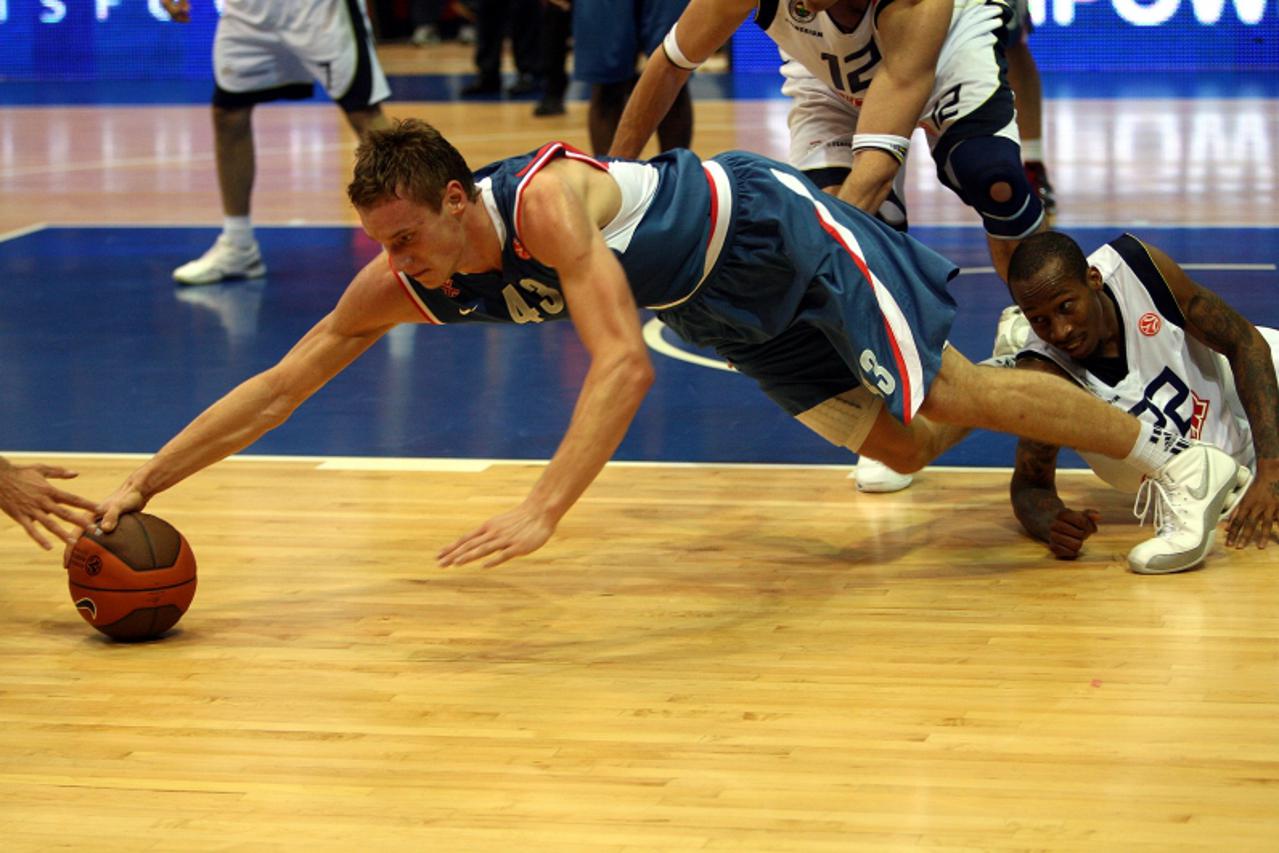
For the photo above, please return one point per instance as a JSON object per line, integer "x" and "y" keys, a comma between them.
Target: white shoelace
{"x": 1151, "y": 491}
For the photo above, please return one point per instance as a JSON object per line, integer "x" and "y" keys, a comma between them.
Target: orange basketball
{"x": 135, "y": 582}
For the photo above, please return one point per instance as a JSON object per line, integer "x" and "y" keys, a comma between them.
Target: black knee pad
{"x": 980, "y": 163}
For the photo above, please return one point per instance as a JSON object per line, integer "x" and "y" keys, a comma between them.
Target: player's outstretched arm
{"x": 561, "y": 231}
{"x": 371, "y": 305}
{"x": 1038, "y": 507}
{"x": 702, "y": 29}
{"x": 1214, "y": 323}
{"x": 911, "y": 33}
{"x": 27, "y": 496}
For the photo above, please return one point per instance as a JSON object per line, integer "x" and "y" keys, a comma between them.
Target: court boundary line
{"x": 25, "y": 231}
{"x": 465, "y": 465}
{"x": 296, "y": 223}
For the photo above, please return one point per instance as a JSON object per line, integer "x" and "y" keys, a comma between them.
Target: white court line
{"x": 257, "y": 226}
{"x": 1246, "y": 267}
{"x": 286, "y": 152}
{"x": 23, "y": 232}
{"x": 476, "y": 466}
{"x": 1206, "y": 266}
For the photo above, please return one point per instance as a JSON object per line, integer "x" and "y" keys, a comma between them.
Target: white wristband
{"x": 895, "y": 145}
{"x": 675, "y": 55}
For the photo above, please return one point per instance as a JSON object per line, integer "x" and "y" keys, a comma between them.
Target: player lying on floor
{"x": 1129, "y": 325}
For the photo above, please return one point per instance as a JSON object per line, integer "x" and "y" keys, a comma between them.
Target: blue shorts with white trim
{"x": 812, "y": 297}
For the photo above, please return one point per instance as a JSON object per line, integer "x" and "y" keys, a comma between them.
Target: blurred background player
{"x": 611, "y": 34}
{"x": 265, "y": 51}
{"x": 1023, "y": 77}
{"x": 1129, "y": 325}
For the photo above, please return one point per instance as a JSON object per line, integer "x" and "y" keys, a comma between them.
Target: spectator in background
{"x": 435, "y": 21}
{"x": 494, "y": 20}
{"x": 620, "y": 30}
{"x": 557, "y": 29}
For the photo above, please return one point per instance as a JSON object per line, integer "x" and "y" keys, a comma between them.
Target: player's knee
{"x": 987, "y": 173}
{"x": 905, "y": 459}
{"x": 232, "y": 118}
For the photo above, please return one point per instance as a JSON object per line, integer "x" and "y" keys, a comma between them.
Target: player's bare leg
{"x": 235, "y": 254}
{"x": 363, "y": 121}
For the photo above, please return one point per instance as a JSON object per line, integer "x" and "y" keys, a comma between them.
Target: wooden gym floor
{"x": 706, "y": 657}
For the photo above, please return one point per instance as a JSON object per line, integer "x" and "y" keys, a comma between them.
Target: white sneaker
{"x": 1011, "y": 334}
{"x": 1189, "y": 496}
{"x": 425, "y": 34}
{"x": 874, "y": 476}
{"x": 221, "y": 262}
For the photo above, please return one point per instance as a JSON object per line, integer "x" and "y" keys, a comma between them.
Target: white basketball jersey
{"x": 1173, "y": 381}
{"x": 846, "y": 62}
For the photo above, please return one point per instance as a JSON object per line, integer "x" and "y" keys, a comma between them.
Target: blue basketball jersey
{"x": 740, "y": 253}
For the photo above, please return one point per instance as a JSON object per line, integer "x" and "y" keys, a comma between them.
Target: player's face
{"x": 424, "y": 243}
{"x": 1065, "y": 312}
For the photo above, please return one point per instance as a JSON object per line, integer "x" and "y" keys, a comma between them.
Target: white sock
{"x": 1032, "y": 150}
{"x": 238, "y": 231}
{"x": 1154, "y": 449}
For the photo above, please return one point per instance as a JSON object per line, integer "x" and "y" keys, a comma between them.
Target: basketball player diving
{"x": 839, "y": 318}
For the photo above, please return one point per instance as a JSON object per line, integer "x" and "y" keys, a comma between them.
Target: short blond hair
{"x": 409, "y": 160}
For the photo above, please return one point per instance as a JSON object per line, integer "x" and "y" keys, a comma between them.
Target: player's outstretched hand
{"x": 511, "y": 534}
{"x": 1257, "y": 510}
{"x": 179, "y": 10}
{"x": 1069, "y": 530}
{"x": 122, "y": 500}
{"x": 27, "y": 496}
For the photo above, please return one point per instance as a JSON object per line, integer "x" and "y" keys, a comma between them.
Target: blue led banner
{"x": 135, "y": 40}
{"x": 1120, "y": 35}
{"x": 104, "y": 40}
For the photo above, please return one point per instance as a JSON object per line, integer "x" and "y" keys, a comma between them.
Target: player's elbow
{"x": 278, "y": 401}
{"x": 631, "y": 375}
{"x": 639, "y": 373}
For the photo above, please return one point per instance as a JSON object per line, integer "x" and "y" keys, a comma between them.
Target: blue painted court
{"x": 102, "y": 353}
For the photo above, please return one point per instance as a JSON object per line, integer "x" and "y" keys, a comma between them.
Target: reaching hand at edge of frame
{"x": 512, "y": 534}
{"x": 1254, "y": 516}
{"x": 179, "y": 10}
{"x": 1068, "y": 531}
{"x": 27, "y": 496}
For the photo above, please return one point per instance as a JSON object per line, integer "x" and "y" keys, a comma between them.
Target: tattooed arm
{"x": 1214, "y": 323}
{"x": 1033, "y": 490}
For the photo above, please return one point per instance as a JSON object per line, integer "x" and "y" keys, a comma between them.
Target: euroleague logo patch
{"x": 1150, "y": 324}
{"x": 799, "y": 12}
